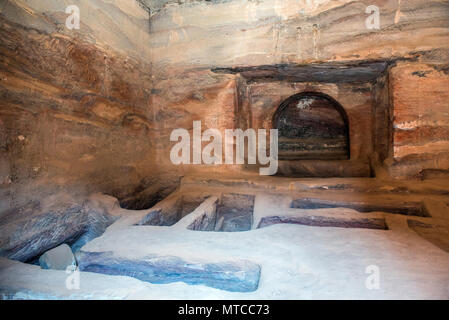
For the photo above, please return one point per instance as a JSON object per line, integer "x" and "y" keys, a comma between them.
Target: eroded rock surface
{"x": 238, "y": 276}
{"x": 27, "y": 233}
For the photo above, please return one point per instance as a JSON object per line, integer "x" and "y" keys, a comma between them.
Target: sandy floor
{"x": 297, "y": 262}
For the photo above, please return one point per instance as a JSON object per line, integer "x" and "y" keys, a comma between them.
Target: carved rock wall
{"x": 200, "y": 35}
{"x": 93, "y": 108}
{"x": 420, "y": 101}
{"x": 75, "y": 109}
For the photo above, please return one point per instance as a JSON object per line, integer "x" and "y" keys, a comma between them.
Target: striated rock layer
{"x": 74, "y": 104}
{"x": 30, "y": 231}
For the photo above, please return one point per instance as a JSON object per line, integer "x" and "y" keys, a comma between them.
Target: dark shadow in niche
{"x": 410, "y": 208}
{"x": 312, "y": 126}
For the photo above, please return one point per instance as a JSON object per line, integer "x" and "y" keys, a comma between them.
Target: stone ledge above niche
{"x": 342, "y": 72}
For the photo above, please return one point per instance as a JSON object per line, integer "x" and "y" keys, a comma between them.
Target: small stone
{"x": 58, "y": 258}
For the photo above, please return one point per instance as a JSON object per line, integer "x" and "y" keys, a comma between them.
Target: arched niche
{"x": 312, "y": 126}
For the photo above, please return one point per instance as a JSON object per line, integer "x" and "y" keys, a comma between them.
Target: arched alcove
{"x": 312, "y": 126}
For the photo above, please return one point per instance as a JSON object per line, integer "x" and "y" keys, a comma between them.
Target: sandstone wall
{"x": 202, "y": 35}
{"x": 420, "y": 101}
{"x": 241, "y": 32}
{"x": 186, "y": 96}
{"x": 75, "y": 109}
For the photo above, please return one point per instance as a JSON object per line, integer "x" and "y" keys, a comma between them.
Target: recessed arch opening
{"x": 312, "y": 126}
